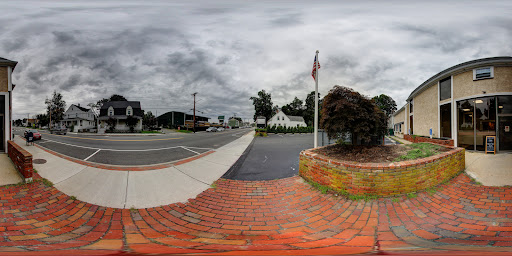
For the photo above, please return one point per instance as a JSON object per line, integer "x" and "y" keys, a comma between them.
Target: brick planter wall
{"x": 22, "y": 160}
{"x": 416, "y": 139}
{"x": 382, "y": 179}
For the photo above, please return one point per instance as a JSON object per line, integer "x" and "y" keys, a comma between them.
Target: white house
{"x": 280, "y": 119}
{"x": 121, "y": 111}
{"x": 80, "y": 118}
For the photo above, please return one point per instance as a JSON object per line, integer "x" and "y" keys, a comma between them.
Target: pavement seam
{"x": 84, "y": 167}
{"x": 176, "y": 167}
{"x": 126, "y": 191}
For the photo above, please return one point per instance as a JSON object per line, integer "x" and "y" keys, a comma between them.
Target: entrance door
{"x": 505, "y": 132}
{"x": 2, "y": 134}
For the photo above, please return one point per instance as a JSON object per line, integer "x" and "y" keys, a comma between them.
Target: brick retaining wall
{"x": 417, "y": 139}
{"x": 22, "y": 160}
{"x": 382, "y": 179}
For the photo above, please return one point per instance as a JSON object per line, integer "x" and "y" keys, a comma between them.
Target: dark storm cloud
{"x": 159, "y": 52}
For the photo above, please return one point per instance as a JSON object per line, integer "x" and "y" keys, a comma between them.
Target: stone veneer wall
{"x": 417, "y": 139}
{"x": 22, "y": 160}
{"x": 382, "y": 179}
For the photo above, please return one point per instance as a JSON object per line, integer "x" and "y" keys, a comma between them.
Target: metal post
{"x": 316, "y": 101}
{"x": 194, "y": 121}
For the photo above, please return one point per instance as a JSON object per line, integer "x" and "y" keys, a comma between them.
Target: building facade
{"x": 80, "y": 118}
{"x": 281, "y": 119}
{"x": 465, "y": 103}
{"x": 120, "y": 111}
{"x": 6, "y": 87}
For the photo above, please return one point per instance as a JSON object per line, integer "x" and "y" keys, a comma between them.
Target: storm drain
{"x": 39, "y": 161}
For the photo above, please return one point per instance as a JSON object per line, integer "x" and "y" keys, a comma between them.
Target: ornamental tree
{"x": 347, "y": 111}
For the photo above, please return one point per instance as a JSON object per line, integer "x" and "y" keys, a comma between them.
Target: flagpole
{"x": 316, "y": 101}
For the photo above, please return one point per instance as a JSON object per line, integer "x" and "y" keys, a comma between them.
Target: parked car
{"x": 59, "y": 130}
{"x": 36, "y": 133}
{"x": 220, "y": 129}
{"x": 211, "y": 129}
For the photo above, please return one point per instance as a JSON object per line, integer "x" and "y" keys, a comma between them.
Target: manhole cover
{"x": 39, "y": 161}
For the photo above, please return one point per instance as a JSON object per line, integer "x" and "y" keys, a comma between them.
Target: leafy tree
{"x": 386, "y": 104}
{"x": 114, "y": 97}
{"x": 44, "y": 120}
{"x": 294, "y": 108}
{"x": 111, "y": 123}
{"x": 262, "y": 105}
{"x": 131, "y": 122}
{"x": 309, "y": 108}
{"x": 346, "y": 111}
{"x": 18, "y": 122}
{"x": 117, "y": 97}
{"x": 55, "y": 107}
{"x": 149, "y": 120}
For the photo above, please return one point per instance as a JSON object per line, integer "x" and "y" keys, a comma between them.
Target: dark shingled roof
{"x": 121, "y": 104}
{"x": 81, "y": 108}
{"x": 296, "y": 118}
{"x": 6, "y": 62}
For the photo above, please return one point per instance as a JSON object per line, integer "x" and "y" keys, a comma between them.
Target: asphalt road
{"x": 136, "y": 150}
{"x": 272, "y": 157}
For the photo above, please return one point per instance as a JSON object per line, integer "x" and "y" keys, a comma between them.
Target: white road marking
{"x": 92, "y": 155}
{"x": 190, "y": 150}
{"x": 111, "y": 149}
{"x": 265, "y": 159}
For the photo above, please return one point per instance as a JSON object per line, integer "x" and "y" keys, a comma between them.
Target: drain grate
{"x": 39, "y": 161}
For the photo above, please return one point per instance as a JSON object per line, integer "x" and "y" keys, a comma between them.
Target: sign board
{"x": 431, "y": 133}
{"x": 507, "y": 128}
{"x": 490, "y": 144}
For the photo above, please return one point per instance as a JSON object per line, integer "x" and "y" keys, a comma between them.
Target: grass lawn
{"x": 151, "y": 132}
{"x": 420, "y": 150}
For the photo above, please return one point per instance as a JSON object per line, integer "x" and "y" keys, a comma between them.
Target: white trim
{"x": 9, "y": 78}
{"x": 484, "y": 95}
{"x": 439, "y": 109}
{"x": 7, "y": 120}
{"x": 405, "y": 119}
{"x": 454, "y": 118}
{"x": 474, "y": 73}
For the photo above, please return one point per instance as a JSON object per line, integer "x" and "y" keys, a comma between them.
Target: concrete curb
{"x": 136, "y": 189}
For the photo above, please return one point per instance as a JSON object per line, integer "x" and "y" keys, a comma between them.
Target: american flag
{"x": 313, "y": 73}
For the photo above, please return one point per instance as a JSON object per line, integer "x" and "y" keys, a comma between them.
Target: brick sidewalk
{"x": 278, "y": 217}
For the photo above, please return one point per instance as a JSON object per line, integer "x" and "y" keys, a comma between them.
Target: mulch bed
{"x": 363, "y": 154}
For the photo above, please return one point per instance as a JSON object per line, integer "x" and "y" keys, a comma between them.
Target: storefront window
{"x": 485, "y": 120}
{"x": 446, "y": 120}
{"x": 465, "y": 127}
{"x": 505, "y": 122}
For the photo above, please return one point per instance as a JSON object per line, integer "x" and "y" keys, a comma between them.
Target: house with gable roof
{"x": 79, "y": 118}
{"x": 120, "y": 111}
{"x": 281, "y": 119}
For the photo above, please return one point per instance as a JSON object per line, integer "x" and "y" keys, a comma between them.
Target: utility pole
{"x": 194, "y": 121}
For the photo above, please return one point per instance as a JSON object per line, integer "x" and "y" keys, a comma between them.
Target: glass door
{"x": 504, "y": 123}
{"x": 485, "y": 120}
{"x": 466, "y": 124}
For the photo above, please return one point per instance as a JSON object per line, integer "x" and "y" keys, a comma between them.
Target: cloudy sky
{"x": 159, "y": 52}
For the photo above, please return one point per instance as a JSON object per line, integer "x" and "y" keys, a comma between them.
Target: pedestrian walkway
{"x": 478, "y": 166}
{"x": 277, "y": 217}
{"x": 137, "y": 187}
{"x": 8, "y": 173}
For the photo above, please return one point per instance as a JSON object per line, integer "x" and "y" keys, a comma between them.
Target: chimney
{"x": 79, "y": 104}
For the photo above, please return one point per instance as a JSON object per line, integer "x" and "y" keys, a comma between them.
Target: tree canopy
{"x": 262, "y": 105}
{"x": 347, "y": 111}
{"x": 294, "y": 108}
{"x": 114, "y": 97}
{"x": 149, "y": 120}
{"x": 386, "y": 104}
{"x": 55, "y": 107}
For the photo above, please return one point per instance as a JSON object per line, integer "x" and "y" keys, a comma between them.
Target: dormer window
{"x": 110, "y": 111}
{"x": 129, "y": 111}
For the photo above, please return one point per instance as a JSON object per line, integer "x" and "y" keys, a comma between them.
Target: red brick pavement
{"x": 279, "y": 217}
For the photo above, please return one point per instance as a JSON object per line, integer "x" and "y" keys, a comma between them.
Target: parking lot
{"x": 136, "y": 150}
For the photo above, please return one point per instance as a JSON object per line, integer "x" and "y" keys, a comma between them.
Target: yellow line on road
{"x": 114, "y": 140}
